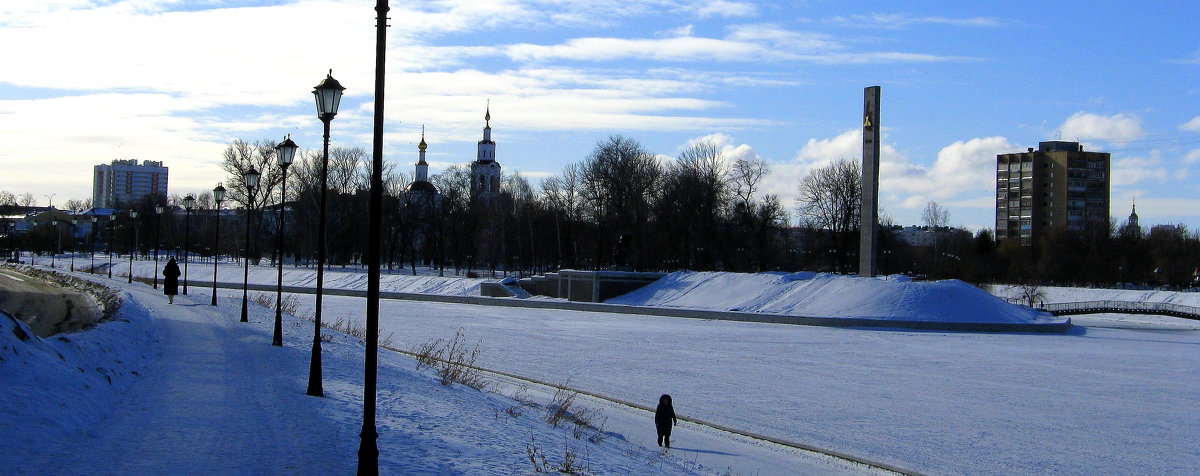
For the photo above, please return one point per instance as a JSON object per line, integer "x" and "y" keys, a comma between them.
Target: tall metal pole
{"x": 157, "y": 227}
{"x": 133, "y": 249}
{"x": 216, "y": 252}
{"x": 187, "y": 228}
{"x": 315, "y": 388}
{"x": 246, "y": 273}
{"x": 277, "y": 336}
{"x": 93, "y": 253}
{"x": 58, "y": 243}
{"x": 111, "y": 220}
{"x": 368, "y": 450}
{"x": 74, "y": 224}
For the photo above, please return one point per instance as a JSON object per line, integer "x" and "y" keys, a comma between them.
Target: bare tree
{"x": 830, "y": 199}
{"x": 77, "y": 205}
{"x": 746, "y": 175}
{"x": 935, "y": 216}
{"x": 619, "y": 180}
{"x": 564, "y": 199}
{"x": 695, "y": 193}
{"x": 26, "y": 200}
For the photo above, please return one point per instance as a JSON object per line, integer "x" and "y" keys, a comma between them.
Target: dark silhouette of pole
{"x": 251, "y": 179}
{"x": 93, "y": 253}
{"x": 188, "y": 202}
{"x": 58, "y": 243}
{"x": 368, "y": 449}
{"x": 158, "y": 211}
{"x": 328, "y": 95}
{"x": 219, "y": 196}
{"x": 74, "y": 225}
{"x": 286, "y": 152}
{"x": 133, "y": 214}
{"x": 112, "y": 219}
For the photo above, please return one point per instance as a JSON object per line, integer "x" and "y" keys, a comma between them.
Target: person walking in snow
{"x": 171, "y": 280}
{"x": 664, "y": 419}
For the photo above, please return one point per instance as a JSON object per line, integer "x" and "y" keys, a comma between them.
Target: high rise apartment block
{"x": 119, "y": 184}
{"x": 1058, "y": 186}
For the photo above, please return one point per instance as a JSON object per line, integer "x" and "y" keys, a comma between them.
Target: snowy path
{"x": 198, "y": 407}
{"x": 216, "y": 398}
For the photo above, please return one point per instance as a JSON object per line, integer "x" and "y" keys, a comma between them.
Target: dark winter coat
{"x": 664, "y": 415}
{"x": 171, "y": 278}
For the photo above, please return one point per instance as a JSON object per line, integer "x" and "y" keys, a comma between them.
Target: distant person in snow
{"x": 664, "y": 419}
{"x": 171, "y": 280}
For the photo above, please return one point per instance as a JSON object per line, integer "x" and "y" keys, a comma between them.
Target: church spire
{"x": 422, "y": 170}
{"x": 487, "y": 124}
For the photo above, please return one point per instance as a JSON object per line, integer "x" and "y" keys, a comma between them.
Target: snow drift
{"x": 828, "y": 295}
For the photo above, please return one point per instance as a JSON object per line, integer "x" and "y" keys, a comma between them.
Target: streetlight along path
{"x": 198, "y": 408}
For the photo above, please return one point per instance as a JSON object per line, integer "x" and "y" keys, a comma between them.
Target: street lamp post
{"x": 112, "y": 219}
{"x": 93, "y": 253}
{"x": 158, "y": 211}
{"x": 58, "y": 244}
{"x": 286, "y": 153}
{"x": 133, "y": 215}
{"x": 188, "y": 202}
{"x": 251, "y": 180}
{"x": 74, "y": 225}
{"x": 329, "y": 96}
{"x": 219, "y": 196}
{"x": 368, "y": 449}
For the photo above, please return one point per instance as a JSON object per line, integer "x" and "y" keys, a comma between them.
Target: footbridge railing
{"x": 1123, "y": 307}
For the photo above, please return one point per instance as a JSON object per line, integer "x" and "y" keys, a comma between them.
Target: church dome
{"x": 421, "y": 186}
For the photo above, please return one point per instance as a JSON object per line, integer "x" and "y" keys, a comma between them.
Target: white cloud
{"x": 685, "y": 30}
{"x": 898, "y": 21}
{"x": 962, "y": 173}
{"x": 1114, "y": 129}
{"x": 1193, "y": 157}
{"x": 1192, "y": 125}
{"x": 1132, "y": 170}
{"x": 745, "y": 43}
{"x": 729, "y": 152}
{"x": 723, "y": 8}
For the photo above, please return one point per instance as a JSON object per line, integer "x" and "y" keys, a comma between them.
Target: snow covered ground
{"x": 185, "y": 389}
{"x": 830, "y": 295}
{"x": 1108, "y": 398}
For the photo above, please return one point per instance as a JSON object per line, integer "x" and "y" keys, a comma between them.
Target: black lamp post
{"x": 74, "y": 225}
{"x": 133, "y": 215}
{"x": 219, "y": 196}
{"x": 112, "y": 220}
{"x": 158, "y": 211}
{"x": 368, "y": 449}
{"x": 250, "y": 177}
{"x": 285, "y": 153}
{"x": 93, "y": 253}
{"x": 58, "y": 244}
{"x": 188, "y": 202}
{"x": 329, "y": 96}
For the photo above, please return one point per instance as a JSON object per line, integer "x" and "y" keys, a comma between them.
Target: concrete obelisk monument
{"x": 868, "y": 242}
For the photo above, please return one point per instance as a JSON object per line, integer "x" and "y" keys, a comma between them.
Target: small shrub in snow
{"x": 289, "y": 304}
{"x": 570, "y": 462}
{"x": 452, "y": 360}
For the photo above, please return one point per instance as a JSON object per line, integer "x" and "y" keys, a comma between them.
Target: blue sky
{"x": 93, "y": 81}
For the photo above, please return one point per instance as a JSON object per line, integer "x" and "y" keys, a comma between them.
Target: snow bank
{"x": 828, "y": 295}
{"x": 63, "y": 385}
{"x": 1056, "y": 294}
